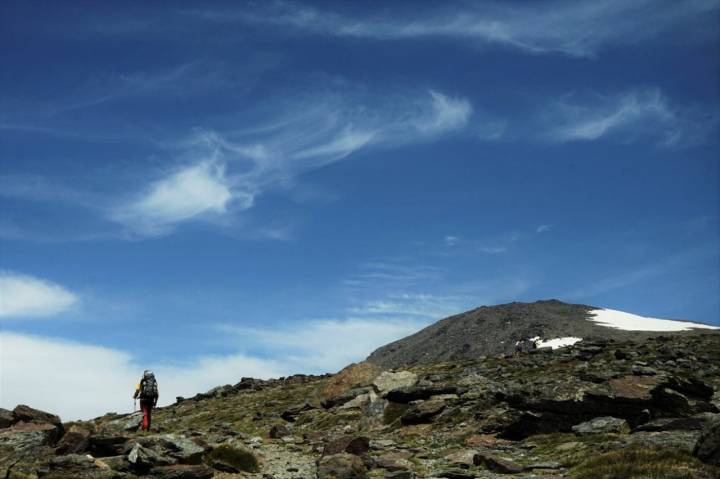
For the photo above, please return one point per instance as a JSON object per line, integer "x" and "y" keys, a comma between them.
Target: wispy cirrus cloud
{"x": 628, "y": 116}
{"x": 27, "y": 297}
{"x": 578, "y": 29}
{"x": 219, "y": 172}
{"x": 224, "y": 172}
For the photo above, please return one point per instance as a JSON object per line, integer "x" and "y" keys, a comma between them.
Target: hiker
{"x": 147, "y": 391}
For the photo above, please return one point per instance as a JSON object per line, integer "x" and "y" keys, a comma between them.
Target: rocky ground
{"x": 599, "y": 409}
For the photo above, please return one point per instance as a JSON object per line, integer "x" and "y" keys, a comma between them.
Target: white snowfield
{"x": 632, "y": 322}
{"x": 556, "y": 343}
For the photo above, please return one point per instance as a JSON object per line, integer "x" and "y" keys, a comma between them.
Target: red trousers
{"x": 146, "y": 408}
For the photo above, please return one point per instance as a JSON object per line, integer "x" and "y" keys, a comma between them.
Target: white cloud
{"x": 23, "y": 296}
{"x": 578, "y": 29}
{"x": 543, "y": 228}
{"x": 412, "y": 305}
{"x": 80, "y": 381}
{"x": 188, "y": 193}
{"x": 227, "y": 171}
{"x": 50, "y": 373}
{"x": 327, "y": 345}
{"x": 627, "y": 116}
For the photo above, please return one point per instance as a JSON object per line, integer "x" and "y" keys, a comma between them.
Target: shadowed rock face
{"x": 492, "y": 330}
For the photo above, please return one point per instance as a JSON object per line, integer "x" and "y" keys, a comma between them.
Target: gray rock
{"x": 387, "y": 381}
{"x": 602, "y": 425}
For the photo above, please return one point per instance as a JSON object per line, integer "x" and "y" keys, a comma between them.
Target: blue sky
{"x": 227, "y": 189}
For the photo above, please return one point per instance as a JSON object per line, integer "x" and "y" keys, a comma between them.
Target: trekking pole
{"x": 134, "y": 405}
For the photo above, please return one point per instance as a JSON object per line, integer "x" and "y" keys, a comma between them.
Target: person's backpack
{"x": 148, "y": 388}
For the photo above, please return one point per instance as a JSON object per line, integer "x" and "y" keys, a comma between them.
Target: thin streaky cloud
{"x": 627, "y": 117}
{"x": 223, "y": 174}
{"x": 578, "y": 29}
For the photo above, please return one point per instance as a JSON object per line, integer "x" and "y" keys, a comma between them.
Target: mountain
{"x": 498, "y": 329}
{"x": 600, "y": 407}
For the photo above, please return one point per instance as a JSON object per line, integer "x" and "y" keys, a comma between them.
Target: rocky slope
{"x": 600, "y": 408}
{"x": 497, "y": 329}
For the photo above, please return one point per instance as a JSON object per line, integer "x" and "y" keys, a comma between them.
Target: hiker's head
{"x": 148, "y": 374}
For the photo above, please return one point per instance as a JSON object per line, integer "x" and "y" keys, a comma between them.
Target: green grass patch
{"x": 643, "y": 463}
{"x": 238, "y": 458}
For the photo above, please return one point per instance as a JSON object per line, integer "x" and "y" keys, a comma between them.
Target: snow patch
{"x": 555, "y": 343}
{"x": 631, "y": 322}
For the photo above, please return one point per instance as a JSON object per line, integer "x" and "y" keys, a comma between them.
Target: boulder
{"x": 6, "y": 418}
{"x": 395, "y": 461}
{"x": 27, "y": 414}
{"x": 182, "y": 471}
{"x": 602, "y": 425}
{"x": 279, "y": 430}
{"x": 497, "y": 464}
{"x": 175, "y": 446}
{"x": 105, "y": 446}
{"x": 341, "y": 466}
{"x": 144, "y": 458}
{"x": 463, "y": 458}
{"x": 345, "y": 397}
{"x": 387, "y": 381}
{"x": 27, "y": 437}
{"x": 75, "y": 440}
{"x": 414, "y": 393}
{"x": 121, "y": 425}
{"x": 291, "y": 413}
{"x": 356, "y": 445}
{"x": 354, "y": 376}
{"x": 683, "y": 441}
{"x": 707, "y": 448}
{"x": 423, "y": 412}
{"x": 117, "y": 463}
